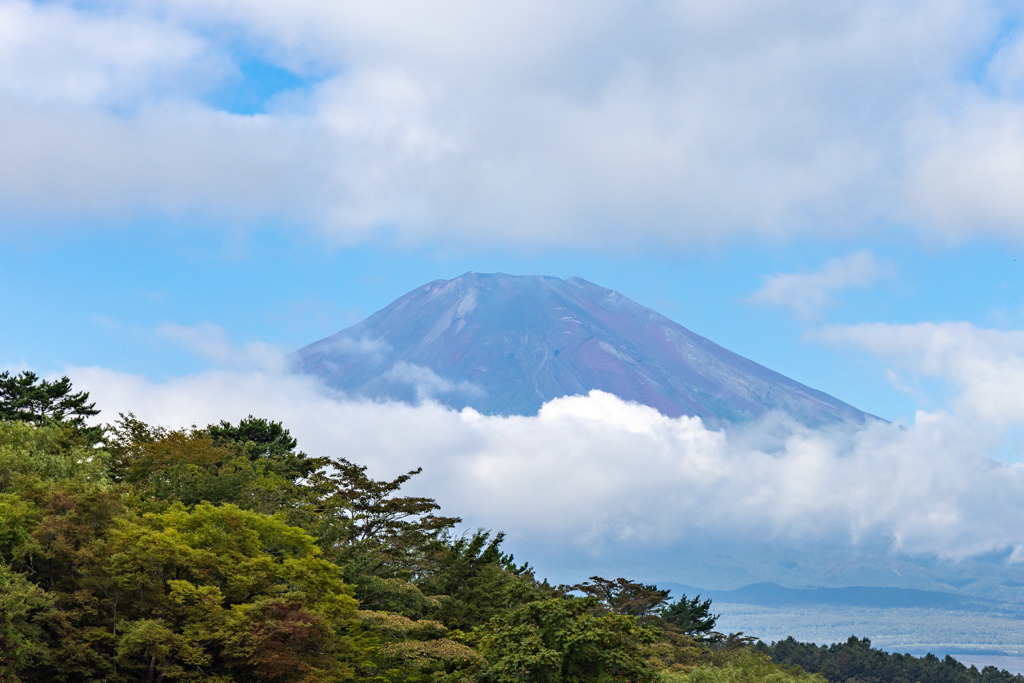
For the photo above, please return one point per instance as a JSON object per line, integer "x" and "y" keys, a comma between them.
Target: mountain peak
{"x": 506, "y": 344}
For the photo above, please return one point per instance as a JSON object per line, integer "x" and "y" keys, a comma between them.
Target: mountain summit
{"x": 506, "y": 344}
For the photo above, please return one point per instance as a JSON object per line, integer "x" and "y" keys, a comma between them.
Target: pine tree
{"x": 28, "y": 398}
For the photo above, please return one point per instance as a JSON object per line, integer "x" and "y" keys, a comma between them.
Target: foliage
{"x": 741, "y": 666}
{"x": 20, "y": 637}
{"x": 370, "y": 531}
{"x": 857, "y": 660}
{"x": 252, "y": 465}
{"x": 396, "y": 648}
{"x": 26, "y": 397}
{"x": 623, "y": 596}
{"x": 472, "y": 580}
{"x": 557, "y": 640}
{"x": 92, "y": 591}
{"x": 360, "y": 523}
{"x": 693, "y": 617}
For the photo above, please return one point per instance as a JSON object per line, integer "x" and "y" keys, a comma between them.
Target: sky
{"x": 192, "y": 190}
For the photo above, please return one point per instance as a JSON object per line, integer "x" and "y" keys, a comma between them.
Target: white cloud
{"x": 596, "y": 480}
{"x": 428, "y": 384}
{"x": 986, "y": 366}
{"x": 808, "y": 293}
{"x": 53, "y": 54}
{"x": 565, "y": 123}
{"x": 212, "y": 343}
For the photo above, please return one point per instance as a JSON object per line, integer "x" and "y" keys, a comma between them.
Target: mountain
{"x": 774, "y": 595}
{"x": 506, "y": 344}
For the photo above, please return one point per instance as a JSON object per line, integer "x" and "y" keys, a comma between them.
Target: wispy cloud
{"x": 985, "y": 366}
{"x": 212, "y": 343}
{"x": 427, "y": 383}
{"x": 808, "y": 293}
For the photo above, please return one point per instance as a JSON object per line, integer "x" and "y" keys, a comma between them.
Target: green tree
{"x": 21, "y": 638}
{"x": 558, "y": 640}
{"x": 395, "y": 648}
{"x": 92, "y": 591}
{"x": 472, "y": 580}
{"x": 26, "y": 397}
{"x": 623, "y": 596}
{"x": 368, "y": 529}
{"x": 741, "y": 666}
{"x": 361, "y": 524}
{"x": 693, "y": 617}
{"x": 252, "y": 465}
{"x": 855, "y": 659}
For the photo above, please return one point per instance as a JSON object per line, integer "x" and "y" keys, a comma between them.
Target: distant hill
{"x": 506, "y": 344}
{"x": 774, "y": 595}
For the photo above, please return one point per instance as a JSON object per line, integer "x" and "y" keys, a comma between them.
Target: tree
{"x": 370, "y": 531}
{"x": 28, "y": 398}
{"x": 92, "y": 590}
{"x": 253, "y": 465}
{"x": 560, "y": 640}
{"x": 742, "y": 666}
{"x": 623, "y": 596}
{"x": 473, "y": 580}
{"x": 855, "y": 659}
{"x": 692, "y": 617}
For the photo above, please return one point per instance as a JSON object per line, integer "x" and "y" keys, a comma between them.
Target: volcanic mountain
{"x": 506, "y": 344}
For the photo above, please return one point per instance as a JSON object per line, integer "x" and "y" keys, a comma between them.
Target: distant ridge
{"x": 506, "y": 344}
{"x": 774, "y": 595}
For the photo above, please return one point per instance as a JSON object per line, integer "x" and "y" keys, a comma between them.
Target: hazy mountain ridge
{"x": 774, "y": 595}
{"x": 506, "y": 344}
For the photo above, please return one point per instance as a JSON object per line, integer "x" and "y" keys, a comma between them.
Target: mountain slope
{"x": 506, "y": 344}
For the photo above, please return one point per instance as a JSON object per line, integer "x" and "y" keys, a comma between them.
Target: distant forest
{"x": 856, "y": 660}
{"x": 132, "y": 552}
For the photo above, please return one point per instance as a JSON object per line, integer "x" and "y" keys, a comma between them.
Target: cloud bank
{"x": 593, "y": 479}
{"x": 534, "y": 123}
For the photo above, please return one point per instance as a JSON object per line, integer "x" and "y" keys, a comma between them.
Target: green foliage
{"x": 741, "y": 666}
{"x": 90, "y": 590}
{"x": 693, "y": 617}
{"x": 360, "y": 523}
{"x": 623, "y": 596}
{"x": 857, "y": 660}
{"x": 26, "y": 397}
{"x": 557, "y": 640}
{"x": 677, "y": 651}
{"x": 396, "y": 648}
{"x": 21, "y": 601}
{"x": 369, "y": 530}
{"x": 46, "y": 453}
{"x": 187, "y": 595}
{"x": 472, "y": 580}
{"x": 252, "y": 465}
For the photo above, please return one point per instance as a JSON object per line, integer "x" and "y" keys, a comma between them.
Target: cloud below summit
{"x": 594, "y": 480}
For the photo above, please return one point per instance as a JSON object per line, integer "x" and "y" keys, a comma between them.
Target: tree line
{"x": 856, "y": 661}
{"x": 130, "y": 552}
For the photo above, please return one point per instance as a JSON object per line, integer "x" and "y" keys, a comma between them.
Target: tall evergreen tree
{"x": 26, "y": 397}
{"x": 693, "y": 617}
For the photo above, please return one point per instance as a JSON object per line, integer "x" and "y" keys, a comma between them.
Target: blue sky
{"x": 191, "y": 189}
